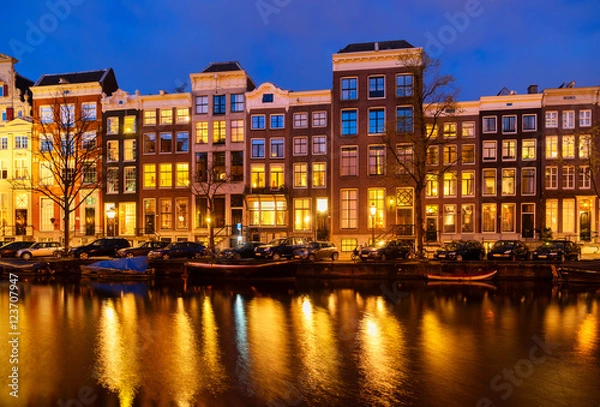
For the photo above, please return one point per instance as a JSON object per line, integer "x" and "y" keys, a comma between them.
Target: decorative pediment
{"x": 120, "y": 99}
{"x": 268, "y": 95}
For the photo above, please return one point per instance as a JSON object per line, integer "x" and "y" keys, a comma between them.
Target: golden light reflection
{"x": 587, "y": 336}
{"x": 214, "y": 372}
{"x": 383, "y": 356}
{"x": 118, "y": 359}
{"x": 269, "y": 348}
{"x": 318, "y": 350}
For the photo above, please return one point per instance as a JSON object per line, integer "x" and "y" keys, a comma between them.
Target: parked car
{"x": 460, "y": 250}
{"x": 10, "y": 249}
{"x": 559, "y": 250}
{"x": 280, "y": 248}
{"x": 509, "y": 250}
{"x": 387, "y": 250}
{"x": 41, "y": 249}
{"x": 191, "y": 250}
{"x": 241, "y": 251}
{"x": 317, "y": 251}
{"x": 107, "y": 246}
{"x": 141, "y": 250}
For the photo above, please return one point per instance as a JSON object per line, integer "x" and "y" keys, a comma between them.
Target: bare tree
{"x": 411, "y": 138}
{"x": 208, "y": 182}
{"x": 66, "y": 152}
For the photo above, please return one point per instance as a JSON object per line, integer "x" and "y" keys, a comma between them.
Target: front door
{"x": 431, "y": 229}
{"x": 584, "y": 226}
{"x": 21, "y": 222}
{"x": 90, "y": 221}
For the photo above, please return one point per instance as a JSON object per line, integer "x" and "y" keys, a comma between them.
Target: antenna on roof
{"x": 504, "y": 91}
{"x": 562, "y": 85}
{"x": 571, "y": 84}
{"x": 63, "y": 80}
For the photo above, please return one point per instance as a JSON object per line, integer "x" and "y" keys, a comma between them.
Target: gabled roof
{"x": 374, "y": 46}
{"x": 223, "y": 67}
{"x": 105, "y": 77}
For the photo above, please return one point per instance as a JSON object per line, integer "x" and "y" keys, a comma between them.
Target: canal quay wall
{"x": 346, "y": 269}
{"x": 419, "y": 269}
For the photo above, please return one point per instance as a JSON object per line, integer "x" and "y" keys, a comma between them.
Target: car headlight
{"x": 507, "y": 252}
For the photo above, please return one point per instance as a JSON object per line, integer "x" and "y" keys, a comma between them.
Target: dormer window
{"x": 267, "y": 98}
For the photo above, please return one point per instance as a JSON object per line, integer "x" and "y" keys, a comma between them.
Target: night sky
{"x": 153, "y": 45}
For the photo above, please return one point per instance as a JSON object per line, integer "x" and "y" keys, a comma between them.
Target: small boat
{"x": 25, "y": 268}
{"x": 242, "y": 269}
{"x": 487, "y": 275}
{"x": 575, "y": 275}
{"x": 127, "y": 268}
{"x": 464, "y": 283}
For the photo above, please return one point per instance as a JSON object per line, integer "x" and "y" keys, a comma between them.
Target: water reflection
{"x": 118, "y": 361}
{"x": 329, "y": 344}
{"x": 382, "y": 359}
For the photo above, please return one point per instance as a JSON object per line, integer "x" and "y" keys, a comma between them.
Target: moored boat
{"x": 127, "y": 268}
{"x": 242, "y": 269}
{"x": 479, "y": 276}
{"x": 576, "y": 275}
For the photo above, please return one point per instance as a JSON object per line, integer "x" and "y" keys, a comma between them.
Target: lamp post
{"x": 373, "y": 211}
{"x": 110, "y": 214}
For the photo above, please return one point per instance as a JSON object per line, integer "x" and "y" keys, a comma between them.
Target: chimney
{"x": 531, "y": 89}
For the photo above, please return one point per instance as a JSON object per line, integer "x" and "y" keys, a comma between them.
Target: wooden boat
{"x": 25, "y": 268}
{"x": 576, "y": 275}
{"x": 242, "y": 269}
{"x": 134, "y": 268}
{"x": 484, "y": 275}
{"x": 464, "y": 283}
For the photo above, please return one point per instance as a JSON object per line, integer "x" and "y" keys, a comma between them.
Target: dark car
{"x": 191, "y": 250}
{"x": 317, "y": 251}
{"x": 100, "y": 247}
{"x": 460, "y": 250}
{"x": 241, "y": 251}
{"x": 509, "y": 250}
{"x": 141, "y": 250}
{"x": 387, "y": 250}
{"x": 559, "y": 250}
{"x": 11, "y": 249}
{"x": 278, "y": 249}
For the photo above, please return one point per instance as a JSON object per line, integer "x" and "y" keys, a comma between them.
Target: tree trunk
{"x": 419, "y": 232}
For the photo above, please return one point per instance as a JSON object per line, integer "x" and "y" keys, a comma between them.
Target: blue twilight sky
{"x": 155, "y": 44}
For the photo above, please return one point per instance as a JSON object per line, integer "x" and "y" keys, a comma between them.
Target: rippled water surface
{"x": 174, "y": 343}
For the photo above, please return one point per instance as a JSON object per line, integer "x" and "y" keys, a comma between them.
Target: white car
{"x": 41, "y": 249}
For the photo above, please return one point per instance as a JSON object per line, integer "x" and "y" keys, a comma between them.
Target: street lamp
{"x": 110, "y": 214}
{"x": 373, "y": 210}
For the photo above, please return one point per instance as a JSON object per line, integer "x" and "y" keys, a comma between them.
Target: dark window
{"x": 267, "y": 98}
{"x": 237, "y": 165}
{"x": 219, "y": 104}
{"x": 201, "y": 166}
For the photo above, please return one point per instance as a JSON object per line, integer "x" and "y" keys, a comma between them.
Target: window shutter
{"x": 9, "y": 113}
{"x": 5, "y": 89}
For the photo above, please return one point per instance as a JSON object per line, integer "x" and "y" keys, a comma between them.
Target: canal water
{"x": 303, "y": 343}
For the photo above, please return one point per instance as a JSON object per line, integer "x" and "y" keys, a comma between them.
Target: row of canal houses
{"x": 304, "y": 163}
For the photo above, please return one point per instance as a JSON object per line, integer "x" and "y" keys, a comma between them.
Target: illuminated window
{"x": 182, "y": 174}
{"x": 300, "y": 175}
{"x": 568, "y": 147}
{"x": 149, "y": 117}
{"x": 149, "y": 176}
{"x": 449, "y": 184}
{"x": 257, "y": 175}
{"x": 568, "y": 178}
{"x": 201, "y": 132}
{"x": 551, "y": 146}
{"x": 130, "y": 150}
{"x": 585, "y": 145}
{"x": 568, "y": 216}
{"x": 433, "y": 156}
{"x": 377, "y": 160}
{"x": 219, "y": 132}
{"x": 348, "y": 209}
{"x": 276, "y": 176}
{"x": 182, "y": 115}
{"x": 319, "y": 175}
{"x": 528, "y": 149}
{"x": 551, "y": 178}
{"x": 585, "y": 118}
{"x": 568, "y": 119}
{"x": 449, "y": 219}
{"x": 112, "y": 151}
{"x": 237, "y": 131}
{"x": 488, "y": 218}
{"x": 468, "y": 154}
{"x": 166, "y": 175}
{"x": 508, "y": 181}
{"x": 509, "y": 150}
{"x": 450, "y": 154}
{"x": 489, "y": 151}
{"x": 130, "y": 178}
{"x": 431, "y": 186}
{"x": 166, "y": 116}
{"x": 376, "y": 196}
{"x": 112, "y": 125}
{"x": 552, "y": 214}
{"x": 302, "y": 219}
{"x": 508, "y": 218}
{"x": 468, "y": 129}
{"x": 468, "y": 183}
{"x": 277, "y": 148}
{"x": 552, "y": 119}
{"x": 129, "y": 124}
{"x": 450, "y": 130}
{"x": 489, "y": 182}
{"x": 300, "y": 120}
{"x": 166, "y": 213}
{"x": 112, "y": 180}
{"x": 467, "y": 221}
{"x": 585, "y": 177}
